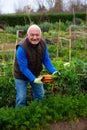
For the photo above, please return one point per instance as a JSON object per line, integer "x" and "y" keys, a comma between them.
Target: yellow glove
{"x": 38, "y": 80}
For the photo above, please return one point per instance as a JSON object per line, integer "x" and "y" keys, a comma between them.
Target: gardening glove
{"x": 55, "y": 75}
{"x": 38, "y": 80}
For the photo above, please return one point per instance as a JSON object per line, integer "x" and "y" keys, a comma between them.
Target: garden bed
{"x": 74, "y": 125}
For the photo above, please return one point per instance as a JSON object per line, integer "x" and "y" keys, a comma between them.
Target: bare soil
{"x": 74, "y": 125}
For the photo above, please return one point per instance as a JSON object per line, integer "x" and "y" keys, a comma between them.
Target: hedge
{"x": 23, "y": 19}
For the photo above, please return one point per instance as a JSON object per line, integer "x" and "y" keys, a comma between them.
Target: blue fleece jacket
{"x": 23, "y": 63}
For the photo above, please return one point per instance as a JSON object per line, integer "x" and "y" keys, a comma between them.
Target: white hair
{"x": 32, "y": 27}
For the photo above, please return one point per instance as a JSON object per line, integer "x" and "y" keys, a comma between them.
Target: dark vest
{"x": 35, "y": 55}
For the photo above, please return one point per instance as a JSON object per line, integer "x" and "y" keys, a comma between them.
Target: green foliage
{"x": 13, "y": 30}
{"x": 23, "y": 19}
{"x": 45, "y": 27}
{"x": 14, "y": 19}
{"x": 53, "y": 109}
{"x": 81, "y": 68}
{"x": 69, "y": 104}
{"x": 70, "y": 82}
{"x": 7, "y": 38}
{"x": 52, "y": 50}
{"x": 7, "y": 94}
{"x": 6, "y": 69}
{"x": 67, "y": 101}
{"x": 81, "y": 43}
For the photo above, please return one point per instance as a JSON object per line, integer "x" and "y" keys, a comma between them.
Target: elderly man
{"x": 31, "y": 54}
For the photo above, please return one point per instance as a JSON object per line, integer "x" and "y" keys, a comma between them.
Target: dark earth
{"x": 80, "y": 124}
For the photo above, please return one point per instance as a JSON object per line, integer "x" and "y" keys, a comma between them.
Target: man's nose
{"x": 34, "y": 36}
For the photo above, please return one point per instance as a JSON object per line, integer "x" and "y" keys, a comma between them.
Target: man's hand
{"x": 38, "y": 80}
{"x": 55, "y": 74}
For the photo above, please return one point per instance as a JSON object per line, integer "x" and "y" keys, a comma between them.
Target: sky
{"x": 10, "y": 6}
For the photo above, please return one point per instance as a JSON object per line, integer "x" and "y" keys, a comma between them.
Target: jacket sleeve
{"x": 47, "y": 62}
{"x": 23, "y": 63}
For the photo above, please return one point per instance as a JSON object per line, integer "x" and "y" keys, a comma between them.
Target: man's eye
{"x": 34, "y": 35}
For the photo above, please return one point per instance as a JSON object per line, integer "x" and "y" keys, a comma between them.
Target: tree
{"x": 58, "y": 7}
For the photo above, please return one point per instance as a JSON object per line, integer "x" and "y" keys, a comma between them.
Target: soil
{"x": 74, "y": 125}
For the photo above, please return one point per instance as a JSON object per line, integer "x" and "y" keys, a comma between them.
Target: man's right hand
{"x": 38, "y": 80}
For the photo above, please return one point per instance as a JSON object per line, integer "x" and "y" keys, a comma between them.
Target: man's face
{"x": 34, "y": 35}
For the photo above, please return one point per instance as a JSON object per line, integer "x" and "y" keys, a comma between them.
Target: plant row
{"x": 40, "y": 114}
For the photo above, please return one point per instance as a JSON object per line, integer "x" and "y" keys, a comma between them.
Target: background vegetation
{"x": 68, "y": 100}
{"x": 23, "y": 19}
